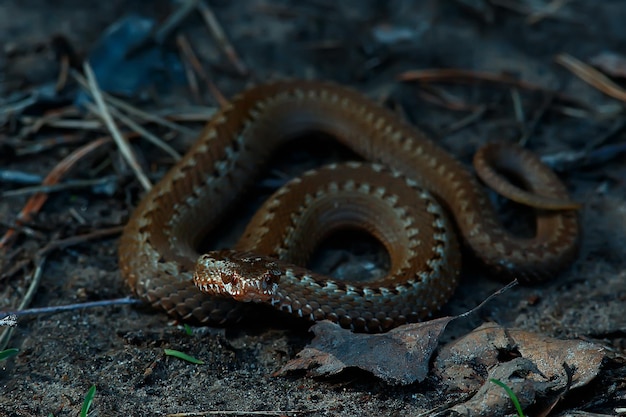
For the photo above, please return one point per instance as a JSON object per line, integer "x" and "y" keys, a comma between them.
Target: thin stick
{"x": 174, "y": 20}
{"x": 40, "y": 260}
{"x": 122, "y": 144}
{"x": 218, "y": 33}
{"x": 19, "y": 105}
{"x": 187, "y": 50}
{"x": 6, "y": 315}
{"x": 145, "y": 133}
{"x": 492, "y": 296}
{"x": 34, "y": 204}
{"x": 241, "y": 413}
{"x": 70, "y": 185}
{"x": 6, "y": 334}
{"x": 591, "y": 76}
{"x": 465, "y": 76}
{"x": 148, "y": 117}
{"x": 74, "y": 240}
{"x": 549, "y": 10}
{"x": 192, "y": 80}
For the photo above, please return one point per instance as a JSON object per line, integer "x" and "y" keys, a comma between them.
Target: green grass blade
{"x": 7, "y": 353}
{"x": 511, "y": 395}
{"x": 183, "y": 356}
{"x": 88, "y": 400}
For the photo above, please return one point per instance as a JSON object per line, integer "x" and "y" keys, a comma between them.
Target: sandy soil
{"x": 119, "y": 349}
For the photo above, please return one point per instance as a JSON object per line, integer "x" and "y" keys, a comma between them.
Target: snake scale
{"x": 404, "y": 196}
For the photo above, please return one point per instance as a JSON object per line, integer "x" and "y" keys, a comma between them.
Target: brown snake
{"x": 388, "y": 199}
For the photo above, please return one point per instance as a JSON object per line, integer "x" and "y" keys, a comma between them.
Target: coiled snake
{"x": 397, "y": 198}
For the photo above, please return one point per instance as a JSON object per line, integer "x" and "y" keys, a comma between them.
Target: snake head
{"x": 242, "y": 276}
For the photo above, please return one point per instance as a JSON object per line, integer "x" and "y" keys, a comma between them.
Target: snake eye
{"x": 229, "y": 279}
{"x": 273, "y": 269}
{"x": 268, "y": 281}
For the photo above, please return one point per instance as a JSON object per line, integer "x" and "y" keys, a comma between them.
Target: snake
{"x": 420, "y": 202}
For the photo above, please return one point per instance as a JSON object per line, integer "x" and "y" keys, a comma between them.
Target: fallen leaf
{"x": 532, "y": 365}
{"x": 399, "y": 357}
{"x": 520, "y": 375}
{"x": 557, "y": 358}
{"x": 463, "y": 364}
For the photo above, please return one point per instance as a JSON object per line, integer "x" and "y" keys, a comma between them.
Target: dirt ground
{"x": 366, "y": 44}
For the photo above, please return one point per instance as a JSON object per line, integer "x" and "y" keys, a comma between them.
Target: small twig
{"x": 491, "y": 297}
{"x": 77, "y": 216}
{"x": 190, "y": 74}
{"x": 549, "y": 10}
{"x": 17, "y": 106}
{"x": 40, "y": 260}
{"x": 520, "y": 116}
{"x": 54, "y": 188}
{"x": 63, "y": 73}
{"x": 533, "y": 14}
{"x": 518, "y": 108}
{"x": 35, "y": 203}
{"x": 466, "y": 121}
{"x": 6, "y": 334}
{"x": 444, "y": 408}
{"x": 442, "y": 98}
{"x": 131, "y": 110}
{"x": 48, "y": 118}
{"x": 67, "y": 307}
{"x": 564, "y": 160}
{"x": 538, "y": 115}
{"x": 188, "y": 52}
{"x": 160, "y": 34}
{"x": 62, "y": 123}
{"x": 593, "y": 153}
{"x": 122, "y": 144}
{"x": 13, "y": 267}
{"x": 465, "y": 76}
{"x": 191, "y": 114}
{"x": 591, "y": 76}
{"x": 42, "y": 145}
{"x": 74, "y": 240}
{"x": 148, "y": 117}
{"x": 145, "y": 133}
{"x": 240, "y": 413}
{"x": 174, "y": 20}
{"x": 19, "y": 177}
{"x": 219, "y": 35}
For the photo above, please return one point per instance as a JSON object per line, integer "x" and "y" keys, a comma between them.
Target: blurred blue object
{"x": 126, "y": 61}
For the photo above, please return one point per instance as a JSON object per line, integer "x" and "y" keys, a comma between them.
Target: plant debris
{"x": 399, "y": 357}
{"x": 532, "y": 365}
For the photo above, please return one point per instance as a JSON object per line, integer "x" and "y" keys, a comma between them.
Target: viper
{"x": 408, "y": 193}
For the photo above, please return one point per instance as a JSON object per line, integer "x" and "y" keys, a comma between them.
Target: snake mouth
{"x": 238, "y": 276}
{"x": 258, "y": 291}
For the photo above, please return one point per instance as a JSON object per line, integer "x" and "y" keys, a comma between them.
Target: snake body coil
{"x": 396, "y": 198}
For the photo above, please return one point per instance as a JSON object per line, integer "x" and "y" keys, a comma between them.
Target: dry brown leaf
{"x": 399, "y": 357}
{"x": 490, "y": 344}
{"x": 520, "y": 375}
{"x": 528, "y": 363}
